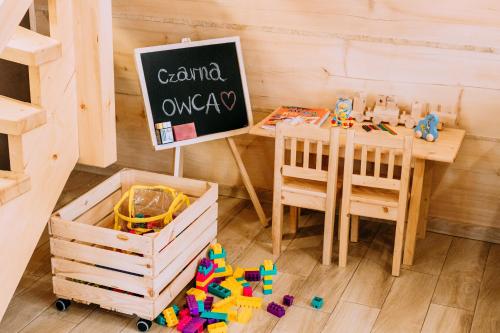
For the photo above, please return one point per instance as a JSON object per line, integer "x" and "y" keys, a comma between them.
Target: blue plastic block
{"x": 317, "y": 302}
{"x": 218, "y": 290}
{"x": 201, "y": 306}
{"x": 213, "y": 256}
{"x": 263, "y": 272}
{"x": 214, "y": 315}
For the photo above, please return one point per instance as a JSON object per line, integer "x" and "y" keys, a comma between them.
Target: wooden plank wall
{"x": 308, "y": 53}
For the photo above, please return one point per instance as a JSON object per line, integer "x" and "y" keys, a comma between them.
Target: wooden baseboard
{"x": 466, "y": 230}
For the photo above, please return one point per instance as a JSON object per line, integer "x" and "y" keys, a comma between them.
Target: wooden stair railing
{"x": 43, "y": 134}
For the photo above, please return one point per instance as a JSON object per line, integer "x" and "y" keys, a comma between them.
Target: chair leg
{"x": 294, "y": 219}
{"x": 328, "y": 236}
{"x": 398, "y": 246}
{"x": 277, "y": 228}
{"x": 343, "y": 239}
{"x": 354, "y": 228}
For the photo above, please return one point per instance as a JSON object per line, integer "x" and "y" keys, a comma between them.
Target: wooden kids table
{"x": 445, "y": 150}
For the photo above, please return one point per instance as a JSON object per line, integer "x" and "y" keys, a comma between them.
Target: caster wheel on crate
{"x": 143, "y": 325}
{"x": 62, "y": 304}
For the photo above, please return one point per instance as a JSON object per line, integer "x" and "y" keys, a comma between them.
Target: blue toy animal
{"x": 427, "y": 128}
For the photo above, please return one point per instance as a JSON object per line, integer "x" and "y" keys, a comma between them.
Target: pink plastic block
{"x": 183, "y": 323}
{"x": 247, "y": 291}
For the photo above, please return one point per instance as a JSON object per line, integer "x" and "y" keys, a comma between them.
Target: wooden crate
{"x": 132, "y": 274}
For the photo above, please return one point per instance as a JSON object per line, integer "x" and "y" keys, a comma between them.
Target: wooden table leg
{"x": 247, "y": 182}
{"x": 425, "y": 202}
{"x": 414, "y": 210}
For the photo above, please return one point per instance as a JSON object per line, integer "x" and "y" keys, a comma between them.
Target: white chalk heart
{"x": 228, "y": 99}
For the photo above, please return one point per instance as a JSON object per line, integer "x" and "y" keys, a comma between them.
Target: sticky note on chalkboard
{"x": 184, "y": 132}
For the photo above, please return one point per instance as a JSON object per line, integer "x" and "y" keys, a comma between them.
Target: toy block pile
{"x": 235, "y": 302}
{"x": 267, "y": 271}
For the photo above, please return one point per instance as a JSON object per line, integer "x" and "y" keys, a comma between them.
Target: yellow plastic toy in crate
{"x": 144, "y": 209}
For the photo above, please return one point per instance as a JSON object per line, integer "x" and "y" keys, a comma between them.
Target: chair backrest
{"x": 306, "y": 140}
{"x": 381, "y": 148}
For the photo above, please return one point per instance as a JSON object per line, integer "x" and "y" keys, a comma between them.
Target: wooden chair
{"x": 304, "y": 185}
{"x": 377, "y": 195}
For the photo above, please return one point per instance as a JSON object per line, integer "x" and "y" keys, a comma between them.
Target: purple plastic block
{"x": 252, "y": 275}
{"x": 288, "y": 300}
{"x": 192, "y": 305}
{"x": 205, "y": 262}
{"x": 208, "y": 303}
{"x": 211, "y": 321}
{"x": 194, "y": 325}
{"x": 276, "y": 309}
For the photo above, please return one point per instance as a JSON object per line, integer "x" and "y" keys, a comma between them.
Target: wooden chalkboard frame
{"x": 188, "y": 44}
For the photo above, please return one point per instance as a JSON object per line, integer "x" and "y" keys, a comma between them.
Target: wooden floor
{"x": 454, "y": 285}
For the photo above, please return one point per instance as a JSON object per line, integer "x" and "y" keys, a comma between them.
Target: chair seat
{"x": 375, "y": 196}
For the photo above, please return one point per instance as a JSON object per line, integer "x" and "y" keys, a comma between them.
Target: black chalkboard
{"x": 200, "y": 85}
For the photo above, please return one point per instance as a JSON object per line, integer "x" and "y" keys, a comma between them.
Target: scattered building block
{"x": 214, "y": 315}
{"x": 201, "y": 306}
{"x": 247, "y": 291}
{"x": 249, "y": 302}
{"x": 252, "y": 275}
{"x": 192, "y": 305}
{"x": 231, "y": 301}
{"x": 194, "y": 326}
{"x": 200, "y": 295}
{"x": 183, "y": 323}
{"x": 217, "y": 328}
{"x": 170, "y": 317}
{"x": 317, "y": 302}
{"x": 244, "y": 315}
{"x": 276, "y": 309}
{"x": 160, "y": 320}
{"x": 218, "y": 290}
{"x": 208, "y": 303}
{"x": 238, "y": 272}
{"x": 183, "y": 313}
{"x": 232, "y": 315}
{"x": 288, "y": 300}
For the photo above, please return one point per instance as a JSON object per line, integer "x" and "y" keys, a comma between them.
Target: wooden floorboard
{"x": 454, "y": 285}
{"x": 459, "y": 282}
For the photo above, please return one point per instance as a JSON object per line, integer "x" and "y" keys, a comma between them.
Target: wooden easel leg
{"x": 178, "y": 162}
{"x": 247, "y": 182}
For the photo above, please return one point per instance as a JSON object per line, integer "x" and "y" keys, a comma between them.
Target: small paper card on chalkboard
{"x": 197, "y": 90}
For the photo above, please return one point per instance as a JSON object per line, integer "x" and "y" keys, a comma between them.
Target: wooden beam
{"x": 95, "y": 81}
{"x": 11, "y": 14}
{"x": 31, "y": 48}
{"x": 17, "y": 117}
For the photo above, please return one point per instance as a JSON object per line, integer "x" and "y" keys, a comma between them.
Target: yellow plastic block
{"x": 217, "y": 248}
{"x": 220, "y": 327}
{"x": 238, "y": 272}
{"x": 223, "y": 309}
{"x": 249, "y": 302}
{"x": 170, "y": 317}
{"x": 267, "y": 278}
{"x": 248, "y": 269}
{"x": 268, "y": 265}
{"x": 231, "y": 301}
{"x": 267, "y": 287}
{"x": 244, "y": 315}
{"x": 232, "y": 315}
{"x": 220, "y": 262}
{"x": 206, "y": 282}
{"x": 200, "y": 295}
{"x": 233, "y": 285}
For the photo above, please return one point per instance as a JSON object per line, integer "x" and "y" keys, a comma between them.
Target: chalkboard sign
{"x": 194, "y": 91}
